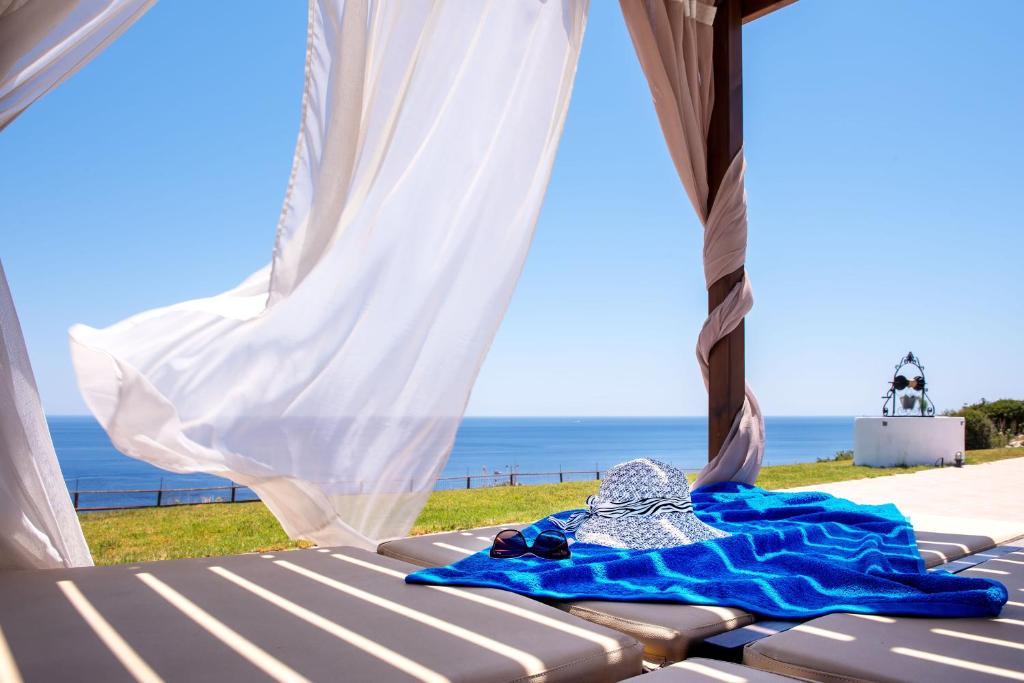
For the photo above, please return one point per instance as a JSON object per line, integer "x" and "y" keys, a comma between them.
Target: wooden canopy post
{"x": 725, "y": 139}
{"x": 726, "y": 381}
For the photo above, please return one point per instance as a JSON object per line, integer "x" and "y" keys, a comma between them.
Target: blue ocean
{"x": 487, "y": 450}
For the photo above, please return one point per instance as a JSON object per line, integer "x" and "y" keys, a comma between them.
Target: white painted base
{"x": 896, "y": 441}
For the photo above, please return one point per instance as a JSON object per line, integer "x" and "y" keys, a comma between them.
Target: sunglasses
{"x": 550, "y": 545}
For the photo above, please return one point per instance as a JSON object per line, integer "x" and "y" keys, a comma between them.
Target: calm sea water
{"x": 484, "y": 446}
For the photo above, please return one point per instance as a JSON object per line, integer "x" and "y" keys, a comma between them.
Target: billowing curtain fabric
{"x": 333, "y": 381}
{"x": 673, "y": 40}
{"x": 42, "y": 42}
{"x": 38, "y": 526}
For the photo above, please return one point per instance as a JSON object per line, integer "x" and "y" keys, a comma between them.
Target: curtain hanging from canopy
{"x": 38, "y": 526}
{"x": 673, "y": 41}
{"x": 333, "y": 380}
{"x": 42, "y": 42}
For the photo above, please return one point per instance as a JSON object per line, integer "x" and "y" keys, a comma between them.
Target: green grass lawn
{"x": 206, "y": 530}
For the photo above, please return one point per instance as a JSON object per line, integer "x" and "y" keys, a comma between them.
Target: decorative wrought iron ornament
{"x": 908, "y": 397}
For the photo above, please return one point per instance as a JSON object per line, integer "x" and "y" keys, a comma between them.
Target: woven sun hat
{"x": 642, "y": 504}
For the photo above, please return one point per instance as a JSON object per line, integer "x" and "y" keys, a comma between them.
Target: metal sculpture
{"x": 908, "y": 397}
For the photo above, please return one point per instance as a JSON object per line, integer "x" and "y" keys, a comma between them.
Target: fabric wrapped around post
{"x": 673, "y": 41}
{"x": 333, "y": 381}
{"x": 43, "y": 42}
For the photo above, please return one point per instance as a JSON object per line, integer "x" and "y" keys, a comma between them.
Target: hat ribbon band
{"x": 614, "y": 509}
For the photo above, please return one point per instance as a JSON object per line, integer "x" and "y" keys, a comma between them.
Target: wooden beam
{"x": 755, "y": 9}
{"x": 725, "y": 138}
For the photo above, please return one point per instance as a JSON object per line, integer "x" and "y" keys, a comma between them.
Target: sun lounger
{"x": 438, "y": 550}
{"x": 869, "y": 648}
{"x": 310, "y": 615}
{"x": 668, "y": 632}
{"x": 939, "y": 548}
{"x": 699, "y": 670}
{"x": 729, "y": 646}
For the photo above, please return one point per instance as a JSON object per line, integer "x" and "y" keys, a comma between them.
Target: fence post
{"x": 160, "y": 492}
{"x": 511, "y": 479}
{"x": 76, "y": 499}
{"x": 233, "y": 490}
{"x": 468, "y": 485}
{"x": 560, "y": 479}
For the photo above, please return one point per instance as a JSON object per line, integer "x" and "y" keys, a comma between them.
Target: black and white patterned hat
{"x": 641, "y": 504}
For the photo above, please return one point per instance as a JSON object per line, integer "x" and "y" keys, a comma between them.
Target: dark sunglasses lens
{"x": 551, "y": 545}
{"x": 508, "y": 543}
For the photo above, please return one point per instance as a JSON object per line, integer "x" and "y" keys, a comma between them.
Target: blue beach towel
{"x": 790, "y": 556}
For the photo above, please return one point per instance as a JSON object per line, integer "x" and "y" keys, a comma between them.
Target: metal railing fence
{"x": 90, "y": 500}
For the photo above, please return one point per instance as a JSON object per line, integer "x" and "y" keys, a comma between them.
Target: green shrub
{"x": 838, "y": 457}
{"x": 1006, "y": 414}
{"x": 978, "y": 428}
{"x": 1005, "y": 418}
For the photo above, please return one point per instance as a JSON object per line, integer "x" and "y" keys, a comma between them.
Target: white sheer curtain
{"x": 673, "y": 41}
{"x": 333, "y": 381}
{"x": 42, "y": 42}
{"x": 38, "y": 526}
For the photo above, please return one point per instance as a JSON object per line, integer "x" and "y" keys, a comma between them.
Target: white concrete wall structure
{"x": 896, "y": 441}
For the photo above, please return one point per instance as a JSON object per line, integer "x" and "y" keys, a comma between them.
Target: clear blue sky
{"x": 884, "y": 142}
